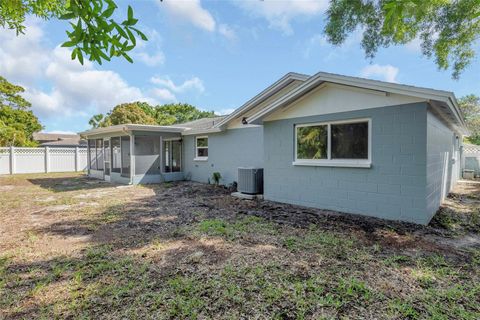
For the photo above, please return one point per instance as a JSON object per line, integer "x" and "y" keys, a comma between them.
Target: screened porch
{"x": 140, "y": 156}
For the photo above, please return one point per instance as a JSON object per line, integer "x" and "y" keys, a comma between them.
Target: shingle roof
{"x": 53, "y": 136}
{"x": 65, "y": 143}
{"x": 201, "y": 124}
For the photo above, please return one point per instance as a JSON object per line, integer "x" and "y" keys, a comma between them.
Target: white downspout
{"x": 132, "y": 157}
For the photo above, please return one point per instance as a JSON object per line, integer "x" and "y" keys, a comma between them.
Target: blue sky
{"x": 213, "y": 54}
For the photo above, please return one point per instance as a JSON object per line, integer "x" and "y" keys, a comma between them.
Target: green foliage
{"x": 312, "y": 142}
{"x": 143, "y": 113}
{"x": 216, "y": 177}
{"x": 96, "y": 120}
{"x": 470, "y": 107}
{"x": 180, "y": 112}
{"x": 17, "y": 123}
{"x": 93, "y": 32}
{"x": 10, "y": 95}
{"x": 446, "y": 29}
{"x": 126, "y": 113}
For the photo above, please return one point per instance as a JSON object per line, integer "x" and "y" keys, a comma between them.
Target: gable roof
{"x": 262, "y": 96}
{"x": 444, "y": 104}
{"x": 444, "y": 101}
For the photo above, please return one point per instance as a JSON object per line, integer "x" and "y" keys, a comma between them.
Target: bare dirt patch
{"x": 73, "y": 247}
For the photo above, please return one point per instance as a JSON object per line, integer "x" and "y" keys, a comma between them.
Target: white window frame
{"x": 163, "y": 153}
{"x": 197, "y": 158}
{"x": 329, "y": 162}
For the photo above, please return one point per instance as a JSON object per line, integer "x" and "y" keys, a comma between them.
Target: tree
{"x": 470, "y": 107}
{"x": 96, "y": 120}
{"x": 173, "y": 113}
{"x": 17, "y": 123}
{"x": 143, "y": 113}
{"x": 446, "y": 29}
{"x": 127, "y": 113}
{"x": 93, "y": 33}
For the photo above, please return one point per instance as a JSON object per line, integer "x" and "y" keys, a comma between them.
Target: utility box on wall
{"x": 250, "y": 180}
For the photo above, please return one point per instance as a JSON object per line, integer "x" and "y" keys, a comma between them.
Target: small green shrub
{"x": 216, "y": 177}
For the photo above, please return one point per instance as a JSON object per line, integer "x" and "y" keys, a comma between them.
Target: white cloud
{"x": 151, "y": 60}
{"x": 193, "y": 83}
{"x": 76, "y": 86}
{"x": 279, "y": 14}
{"x": 164, "y": 95}
{"x": 21, "y": 57}
{"x": 60, "y": 88}
{"x": 192, "y": 11}
{"x": 227, "y": 32}
{"x": 382, "y": 72}
{"x": 149, "y": 52}
{"x": 67, "y": 87}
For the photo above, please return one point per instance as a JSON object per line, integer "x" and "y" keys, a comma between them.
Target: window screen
{"x": 125, "y": 147}
{"x": 116, "y": 155}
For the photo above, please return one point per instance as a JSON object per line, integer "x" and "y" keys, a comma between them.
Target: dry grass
{"x": 71, "y": 247}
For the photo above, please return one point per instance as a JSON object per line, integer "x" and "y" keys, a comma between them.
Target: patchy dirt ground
{"x": 71, "y": 247}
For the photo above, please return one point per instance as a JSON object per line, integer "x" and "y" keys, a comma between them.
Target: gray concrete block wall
{"x": 440, "y": 151}
{"x": 393, "y": 188}
{"x": 227, "y": 151}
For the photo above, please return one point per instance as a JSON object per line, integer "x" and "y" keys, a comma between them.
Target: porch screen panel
{"x": 125, "y": 146}
{"x": 107, "y": 156}
{"x": 116, "y": 155}
{"x": 93, "y": 154}
{"x": 147, "y": 155}
{"x": 99, "y": 154}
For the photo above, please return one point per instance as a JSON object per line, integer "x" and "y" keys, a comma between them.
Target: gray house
{"x": 327, "y": 141}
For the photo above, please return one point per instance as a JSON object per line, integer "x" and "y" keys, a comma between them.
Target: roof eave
{"x": 201, "y": 131}
{"x": 429, "y": 94}
{"x": 262, "y": 96}
{"x": 127, "y": 128}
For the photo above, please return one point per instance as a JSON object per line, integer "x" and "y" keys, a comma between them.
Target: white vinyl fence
{"x": 471, "y": 158}
{"x": 36, "y": 160}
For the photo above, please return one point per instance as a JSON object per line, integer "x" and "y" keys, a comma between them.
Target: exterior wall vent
{"x": 250, "y": 180}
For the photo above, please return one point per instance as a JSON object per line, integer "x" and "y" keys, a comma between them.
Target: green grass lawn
{"x": 71, "y": 247}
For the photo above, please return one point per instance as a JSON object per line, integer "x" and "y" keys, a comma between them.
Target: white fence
{"x": 471, "y": 158}
{"x": 36, "y": 160}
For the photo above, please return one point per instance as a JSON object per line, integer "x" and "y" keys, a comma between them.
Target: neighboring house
{"x": 327, "y": 141}
{"x": 59, "y": 140}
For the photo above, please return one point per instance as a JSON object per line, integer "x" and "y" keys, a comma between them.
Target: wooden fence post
{"x": 47, "y": 159}
{"x": 12, "y": 159}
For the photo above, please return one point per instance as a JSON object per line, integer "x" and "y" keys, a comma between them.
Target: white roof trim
{"x": 262, "y": 96}
{"x": 131, "y": 127}
{"x": 201, "y": 131}
{"x": 429, "y": 94}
